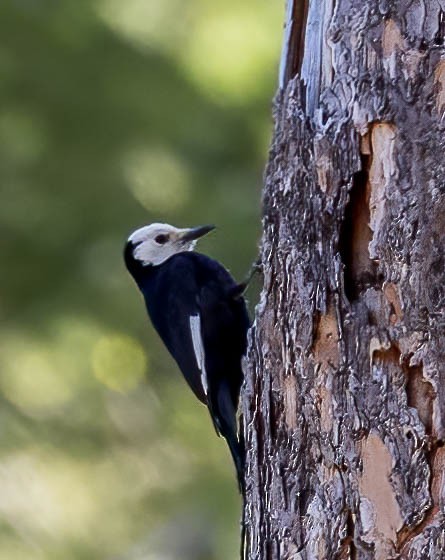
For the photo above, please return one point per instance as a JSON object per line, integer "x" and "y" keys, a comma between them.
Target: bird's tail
{"x": 237, "y": 451}
{"x": 223, "y": 413}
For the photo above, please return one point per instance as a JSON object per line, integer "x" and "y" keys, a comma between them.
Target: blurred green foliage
{"x": 114, "y": 114}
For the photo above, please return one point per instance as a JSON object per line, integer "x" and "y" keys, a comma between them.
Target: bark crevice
{"x": 360, "y": 272}
{"x": 293, "y": 44}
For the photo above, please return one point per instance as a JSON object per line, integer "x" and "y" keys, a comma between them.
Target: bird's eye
{"x": 161, "y": 239}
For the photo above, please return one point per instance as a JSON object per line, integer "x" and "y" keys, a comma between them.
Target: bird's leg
{"x": 239, "y": 289}
{"x": 256, "y": 268}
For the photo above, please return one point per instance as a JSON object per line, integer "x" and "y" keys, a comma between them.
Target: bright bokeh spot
{"x": 227, "y": 48}
{"x": 41, "y": 377}
{"x": 31, "y": 380}
{"x": 145, "y": 23}
{"x": 119, "y": 362}
{"x": 240, "y": 39}
{"x": 31, "y": 484}
{"x": 52, "y": 497}
{"x": 157, "y": 178}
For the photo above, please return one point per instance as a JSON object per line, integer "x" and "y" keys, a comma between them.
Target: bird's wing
{"x": 204, "y": 327}
{"x": 224, "y": 323}
{"x": 178, "y": 321}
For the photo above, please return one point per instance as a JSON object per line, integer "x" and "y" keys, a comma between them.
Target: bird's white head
{"x": 156, "y": 243}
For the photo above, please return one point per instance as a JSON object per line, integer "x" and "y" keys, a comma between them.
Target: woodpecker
{"x": 200, "y": 314}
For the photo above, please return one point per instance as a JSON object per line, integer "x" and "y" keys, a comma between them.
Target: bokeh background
{"x": 113, "y": 114}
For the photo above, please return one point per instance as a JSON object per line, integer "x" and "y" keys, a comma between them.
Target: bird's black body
{"x": 187, "y": 293}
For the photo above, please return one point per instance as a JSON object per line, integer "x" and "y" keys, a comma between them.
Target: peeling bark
{"x": 344, "y": 399}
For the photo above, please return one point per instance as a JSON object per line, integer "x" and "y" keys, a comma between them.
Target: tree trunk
{"x": 344, "y": 400}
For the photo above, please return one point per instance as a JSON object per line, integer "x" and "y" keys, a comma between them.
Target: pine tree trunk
{"x": 344, "y": 400}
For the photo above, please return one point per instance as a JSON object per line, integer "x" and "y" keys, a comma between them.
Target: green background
{"x": 114, "y": 114}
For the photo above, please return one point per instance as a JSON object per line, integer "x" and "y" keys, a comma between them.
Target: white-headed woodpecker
{"x": 200, "y": 314}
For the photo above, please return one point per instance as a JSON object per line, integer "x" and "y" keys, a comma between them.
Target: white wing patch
{"x": 198, "y": 347}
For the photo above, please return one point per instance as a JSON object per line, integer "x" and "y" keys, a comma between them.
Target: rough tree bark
{"x": 344, "y": 400}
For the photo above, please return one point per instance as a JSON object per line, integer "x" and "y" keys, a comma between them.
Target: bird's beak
{"x": 195, "y": 233}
